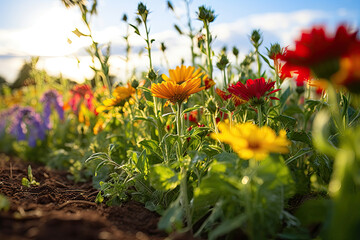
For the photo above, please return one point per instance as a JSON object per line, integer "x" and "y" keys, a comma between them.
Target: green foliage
{"x": 30, "y": 180}
{"x": 4, "y": 203}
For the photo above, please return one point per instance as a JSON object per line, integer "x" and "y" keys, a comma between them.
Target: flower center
{"x": 253, "y": 145}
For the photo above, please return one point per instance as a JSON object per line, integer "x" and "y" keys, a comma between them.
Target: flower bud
{"x": 124, "y": 18}
{"x": 274, "y": 50}
{"x": 141, "y": 105}
{"x": 142, "y": 11}
{"x": 235, "y": 51}
{"x": 230, "y": 106}
{"x": 152, "y": 75}
{"x": 223, "y": 62}
{"x": 135, "y": 83}
{"x": 256, "y": 38}
{"x": 211, "y": 105}
{"x": 206, "y": 14}
{"x": 162, "y": 47}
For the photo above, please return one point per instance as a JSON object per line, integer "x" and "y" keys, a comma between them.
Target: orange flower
{"x": 349, "y": 72}
{"x": 182, "y": 74}
{"x": 121, "y": 94}
{"x": 182, "y": 83}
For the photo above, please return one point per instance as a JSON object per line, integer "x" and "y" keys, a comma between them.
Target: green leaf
{"x": 78, "y": 33}
{"x": 163, "y": 177}
{"x": 25, "y": 182}
{"x": 267, "y": 61}
{"x": 136, "y": 30}
{"x": 140, "y": 160}
{"x": 318, "y": 208}
{"x": 286, "y": 121}
{"x": 299, "y": 154}
{"x": 191, "y": 109}
{"x": 301, "y": 136}
{"x": 99, "y": 198}
{"x": 178, "y": 29}
{"x": 172, "y": 218}
{"x": 227, "y": 226}
{"x": 226, "y": 157}
{"x": 285, "y": 96}
{"x": 4, "y": 203}
{"x": 293, "y": 109}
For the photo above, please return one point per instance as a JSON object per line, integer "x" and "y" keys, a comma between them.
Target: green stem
{"x": 184, "y": 197}
{"x": 259, "y": 115}
{"x": 258, "y": 61}
{"x": 225, "y": 82}
{"x": 148, "y": 45}
{"x": 209, "y": 59}
{"x": 334, "y": 109}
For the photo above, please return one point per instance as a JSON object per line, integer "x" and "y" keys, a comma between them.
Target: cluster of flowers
{"x": 248, "y": 140}
{"x": 26, "y": 124}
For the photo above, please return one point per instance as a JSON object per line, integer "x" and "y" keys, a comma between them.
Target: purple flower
{"x": 6, "y": 116}
{"x": 27, "y": 124}
{"x": 53, "y": 99}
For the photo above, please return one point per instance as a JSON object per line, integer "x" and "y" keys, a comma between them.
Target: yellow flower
{"x": 99, "y": 126}
{"x": 182, "y": 83}
{"x": 251, "y": 142}
{"x": 121, "y": 94}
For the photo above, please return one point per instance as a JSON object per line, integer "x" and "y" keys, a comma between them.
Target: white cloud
{"x": 48, "y": 38}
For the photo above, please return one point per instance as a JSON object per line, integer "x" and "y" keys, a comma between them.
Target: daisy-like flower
{"x": 320, "y": 52}
{"x": 256, "y": 91}
{"x": 177, "y": 88}
{"x": 121, "y": 95}
{"x": 52, "y": 99}
{"x": 252, "y": 142}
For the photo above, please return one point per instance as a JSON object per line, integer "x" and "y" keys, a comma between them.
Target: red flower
{"x": 208, "y": 82}
{"x": 349, "y": 72}
{"x": 81, "y": 94}
{"x": 300, "y": 74}
{"x": 254, "y": 90}
{"x": 222, "y": 94}
{"x": 236, "y": 99}
{"x": 192, "y": 116}
{"x": 319, "y": 52}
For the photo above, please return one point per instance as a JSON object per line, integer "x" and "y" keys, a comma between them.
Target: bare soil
{"x": 61, "y": 209}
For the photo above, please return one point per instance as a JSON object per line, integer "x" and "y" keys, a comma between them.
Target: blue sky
{"x": 42, "y": 27}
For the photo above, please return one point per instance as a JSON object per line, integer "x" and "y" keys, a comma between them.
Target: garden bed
{"x": 60, "y": 209}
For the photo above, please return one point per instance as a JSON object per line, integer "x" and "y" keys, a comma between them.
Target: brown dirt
{"x": 61, "y": 209}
